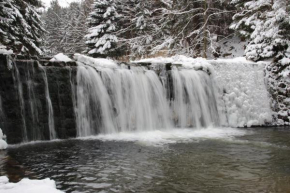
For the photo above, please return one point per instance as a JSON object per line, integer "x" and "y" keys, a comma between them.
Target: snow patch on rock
{"x": 178, "y": 60}
{"x": 60, "y": 58}
{"x": 95, "y": 62}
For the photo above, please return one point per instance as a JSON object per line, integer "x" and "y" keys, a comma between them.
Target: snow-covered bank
{"x": 28, "y": 186}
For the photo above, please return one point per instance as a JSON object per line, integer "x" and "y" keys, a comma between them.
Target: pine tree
{"x": 53, "y": 25}
{"x": 101, "y": 40}
{"x": 261, "y": 23}
{"x": 20, "y": 26}
{"x": 66, "y": 27}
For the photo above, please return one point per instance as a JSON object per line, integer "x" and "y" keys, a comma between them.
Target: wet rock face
{"x": 23, "y": 100}
{"x": 11, "y": 122}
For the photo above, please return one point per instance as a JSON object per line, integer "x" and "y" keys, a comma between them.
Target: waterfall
{"x": 194, "y": 103}
{"x": 98, "y": 96}
{"x": 32, "y": 100}
{"x": 18, "y": 85}
{"x": 28, "y": 83}
{"x": 111, "y": 100}
{"x": 51, "y": 126}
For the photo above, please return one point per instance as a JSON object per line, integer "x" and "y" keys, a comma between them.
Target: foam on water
{"x": 161, "y": 137}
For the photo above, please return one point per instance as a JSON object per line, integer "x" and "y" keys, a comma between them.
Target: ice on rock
{"x": 244, "y": 98}
{"x": 28, "y": 186}
{"x": 3, "y": 144}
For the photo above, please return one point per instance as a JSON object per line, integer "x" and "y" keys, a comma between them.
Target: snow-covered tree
{"x": 171, "y": 27}
{"x": 262, "y": 22}
{"x": 101, "y": 40}
{"x": 53, "y": 25}
{"x": 140, "y": 26}
{"x": 20, "y": 26}
{"x": 198, "y": 25}
{"x": 66, "y": 27}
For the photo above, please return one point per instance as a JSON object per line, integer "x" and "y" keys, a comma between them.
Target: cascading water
{"x": 111, "y": 100}
{"x": 18, "y": 85}
{"x": 31, "y": 107}
{"x": 29, "y": 74}
{"x": 115, "y": 100}
{"x": 51, "y": 126}
{"x": 194, "y": 103}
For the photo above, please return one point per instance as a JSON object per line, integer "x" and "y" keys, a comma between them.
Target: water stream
{"x": 51, "y": 126}
{"x": 19, "y": 87}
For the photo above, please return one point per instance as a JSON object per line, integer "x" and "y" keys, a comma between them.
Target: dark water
{"x": 256, "y": 161}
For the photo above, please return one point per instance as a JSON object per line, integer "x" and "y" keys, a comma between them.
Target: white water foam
{"x": 169, "y": 136}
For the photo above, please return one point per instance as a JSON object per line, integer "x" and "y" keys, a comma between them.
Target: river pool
{"x": 179, "y": 160}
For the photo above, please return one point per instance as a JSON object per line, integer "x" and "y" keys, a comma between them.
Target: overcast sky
{"x": 62, "y": 3}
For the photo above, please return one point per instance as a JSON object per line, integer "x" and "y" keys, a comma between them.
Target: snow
{"x": 234, "y": 60}
{"x": 28, "y": 186}
{"x": 61, "y": 58}
{"x": 62, "y": 3}
{"x": 244, "y": 99}
{"x": 95, "y": 62}
{"x": 4, "y": 51}
{"x": 3, "y": 144}
{"x": 230, "y": 47}
{"x": 285, "y": 61}
{"x": 179, "y": 60}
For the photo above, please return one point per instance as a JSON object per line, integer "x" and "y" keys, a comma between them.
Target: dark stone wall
{"x": 60, "y": 77}
{"x": 61, "y": 84}
{"x": 11, "y": 122}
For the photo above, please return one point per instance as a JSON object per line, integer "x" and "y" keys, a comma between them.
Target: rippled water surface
{"x": 181, "y": 160}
